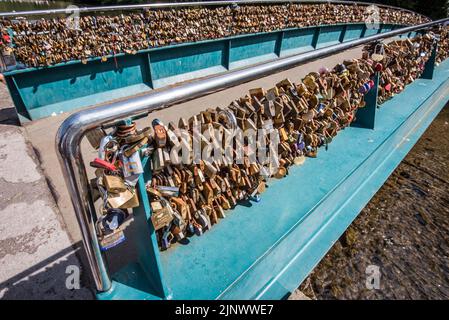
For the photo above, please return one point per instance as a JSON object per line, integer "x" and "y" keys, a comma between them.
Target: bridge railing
{"x": 45, "y": 82}
{"x": 186, "y": 4}
{"x": 75, "y": 127}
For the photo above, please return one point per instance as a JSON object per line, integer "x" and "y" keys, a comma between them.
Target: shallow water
{"x": 24, "y": 5}
{"x": 404, "y": 230}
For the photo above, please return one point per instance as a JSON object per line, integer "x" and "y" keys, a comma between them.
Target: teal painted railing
{"x": 263, "y": 250}
{"x": 42, "y": 92}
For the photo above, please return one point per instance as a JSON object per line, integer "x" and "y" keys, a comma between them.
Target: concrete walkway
{"x": 35, "y": 249}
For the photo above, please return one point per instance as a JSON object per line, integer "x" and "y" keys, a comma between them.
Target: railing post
{"x": 227, "y": 54}
{"x": 362, "y": 35}
{"x": 366, "y": 116}
{"x": 342, "y": 34}
{"x": 147, "y": 247}
{"x": 148, "y": 75}
{"x": 316, "y": 36}
{"x": 430, "y": 64}
{"x": 278, "y": 47}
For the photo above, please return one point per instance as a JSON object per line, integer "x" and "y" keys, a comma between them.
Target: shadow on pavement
{"x": 9, "y": 116}
{"x": 47, "y": 279}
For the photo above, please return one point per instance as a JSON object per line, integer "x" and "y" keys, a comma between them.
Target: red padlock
{"x": 378, "y": 67}
{"x": 388, "y": 87}
{"x": 6, "y": 38}
{"x": 102, "y": 164}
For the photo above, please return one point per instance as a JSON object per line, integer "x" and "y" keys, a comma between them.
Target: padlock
{"x": 111, "y": 221}
{"x": 161, "y": 215}
{"x": 108, "y": 228}
{"x": 367, "y": 86}
{"x": 132, "y": 168}
{"x": 158, "y": 160}
{"x": 166, "y": 238}
{"x": 114, "y": 184}
{"x": 160, "y": 134}
{"x": 96, "y": 139}
{"x": 125, "y": 199}
{"x": 379, "y": 52}
{"x": 102, "y": 164}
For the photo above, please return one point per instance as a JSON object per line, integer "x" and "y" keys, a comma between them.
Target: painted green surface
{"x": 372, "y": 31}
{"x": 253, "y": 49}
{"x": 366, "y": 116}
{"x": 264, "y": 250}
{"x": 171, "y": 62}
{"x": 429, "y": 68}
{"x": 353, "y": 32}
{"x": 296, "y": 41}
{"x": 49, "y": 85}
{"x": 386, "y": 28}
{"x": 329, "y": 35}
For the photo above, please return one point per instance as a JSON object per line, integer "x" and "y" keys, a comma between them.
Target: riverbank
{"x": 404, "y": 230}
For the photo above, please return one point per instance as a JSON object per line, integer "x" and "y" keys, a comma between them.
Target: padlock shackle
{"x": 74, "y": 128}
{"x": 188, "y": 4}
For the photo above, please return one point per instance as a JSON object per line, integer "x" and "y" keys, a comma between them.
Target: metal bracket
{"x": 365, "y": 117}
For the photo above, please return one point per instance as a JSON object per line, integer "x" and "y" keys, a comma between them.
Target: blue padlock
{"x": 165, "y": 241}
{"x": 190, "y": 229}
{"x": 300, "y": 146}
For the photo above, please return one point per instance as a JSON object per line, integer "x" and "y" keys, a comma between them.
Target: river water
{"x": 24, "y": 5}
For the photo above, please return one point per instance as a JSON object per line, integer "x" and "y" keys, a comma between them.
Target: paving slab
{"x": 35, "y": 250}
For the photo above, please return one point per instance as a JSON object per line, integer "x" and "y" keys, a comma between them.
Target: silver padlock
{"x": 132, "y": 167}
{"x": 102, "y": 146}
{"x": 158, "y": 160}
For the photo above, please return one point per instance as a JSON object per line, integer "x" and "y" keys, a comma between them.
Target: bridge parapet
{"x": 246, "y": 263}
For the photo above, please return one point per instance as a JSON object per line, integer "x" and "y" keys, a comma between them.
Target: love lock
{"x": 108, "y": 227}
{"x": 379, "y": 52}
{"x": 366, "y": 87}
{"x": 166, "y": 238}
{"x": 132, "y": 166}
{"x": 102, "y": 164}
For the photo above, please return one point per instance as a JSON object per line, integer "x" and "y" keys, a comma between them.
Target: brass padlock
{"x": 161, "y": 216}
{"x": 114, "y": 184}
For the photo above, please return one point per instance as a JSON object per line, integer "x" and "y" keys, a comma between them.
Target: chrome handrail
{"x": 186, "y": 4}
{"x": 74, "y": 128}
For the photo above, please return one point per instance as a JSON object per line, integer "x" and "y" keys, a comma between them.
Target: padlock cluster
{"x": 190, "y": 194}
{"x": 188, "y": 197}
{"x": 305, "y": 116}
{"x": 118, "y": 168}
{"x": 443, "y": 43}
{"x": 47, "y": 42}
{"x": 403, "y": 62}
